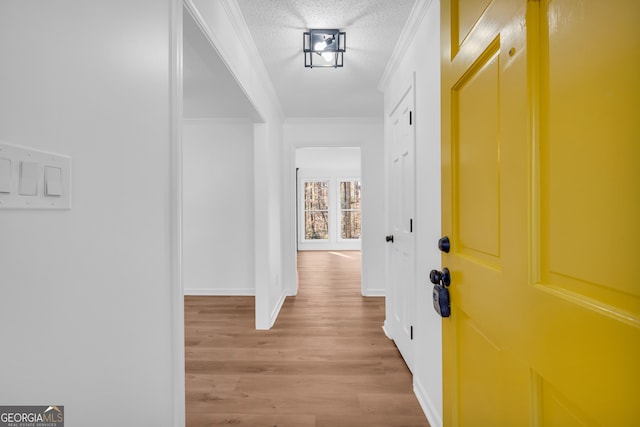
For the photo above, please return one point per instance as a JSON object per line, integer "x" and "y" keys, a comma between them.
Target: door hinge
{"x": 410, "y": 118}
{"x": 411, "y": 225}
{"x": 411, "y": 332}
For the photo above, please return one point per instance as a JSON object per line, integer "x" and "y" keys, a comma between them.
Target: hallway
{"x": 325, "y": 363}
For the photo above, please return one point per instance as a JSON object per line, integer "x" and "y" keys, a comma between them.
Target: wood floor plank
{"x": 377, "y": 420}
{"x": 325, "y": 363}
{"x": 260, "y": 420}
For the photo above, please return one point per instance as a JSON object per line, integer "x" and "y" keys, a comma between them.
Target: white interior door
{"x": 401, "y": 293}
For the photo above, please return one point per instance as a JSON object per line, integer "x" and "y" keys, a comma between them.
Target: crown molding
{"x": 219, "y": 120}
{"x": 241, "y": 30}
{"x": 234, "y": 13}
{"x": 406, "y": 37}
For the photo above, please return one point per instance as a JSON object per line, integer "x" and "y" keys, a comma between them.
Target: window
{"x": 316, "y": 210}
{"x": 349, "y": 209}
{"x": 329, "y": 211}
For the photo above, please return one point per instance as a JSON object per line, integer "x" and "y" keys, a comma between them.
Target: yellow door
{"x": 541, "y": 202}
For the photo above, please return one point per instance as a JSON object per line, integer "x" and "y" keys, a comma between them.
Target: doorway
{"x": 328, "y": 202}
{"x": 217, "y": 173}
{"x": 363, "y": 135}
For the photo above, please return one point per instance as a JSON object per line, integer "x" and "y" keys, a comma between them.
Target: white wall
{"x": 224, "y": 26}
{"x": 86, "y": 294}
{"x": 218, "y": 207}
{"x": 367, "y": 134}
{"x": 328, "y": 158}
{"x": 422, "y": 56}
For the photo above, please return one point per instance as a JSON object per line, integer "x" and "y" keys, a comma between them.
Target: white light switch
{"x": 28, "y": 179}
{"x": 5, "y": 175}
{"x": 52, "y": 181}
{"x": 33, "y": 179}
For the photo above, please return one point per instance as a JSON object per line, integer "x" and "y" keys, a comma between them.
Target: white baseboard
{"x": 322, "y": 246}
{"x": 221, "y": 292}
{"x": 374, "y": 293}
{"x": 434, "y": 416}
{"x": 386, "y": 330}
{"x": 276, "y": 310}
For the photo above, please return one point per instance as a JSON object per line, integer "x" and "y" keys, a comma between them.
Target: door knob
{"x": 389, "y": 238}
{"x": 440, "y": 276}
{"x": 444, "y": 244}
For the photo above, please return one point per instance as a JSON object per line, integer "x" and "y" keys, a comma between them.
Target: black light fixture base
{"x": 324, "y": 48}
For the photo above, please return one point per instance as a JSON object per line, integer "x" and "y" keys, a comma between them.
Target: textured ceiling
{"x": 373, "y": 28}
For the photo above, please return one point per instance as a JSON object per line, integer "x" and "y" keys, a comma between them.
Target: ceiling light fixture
{"x": 328, "y": 45}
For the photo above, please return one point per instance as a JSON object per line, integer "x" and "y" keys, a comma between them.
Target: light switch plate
{"x": 34, "y": 179}
{"x": 5, "y": 175}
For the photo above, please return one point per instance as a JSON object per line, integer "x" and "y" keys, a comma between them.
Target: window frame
{"x": 303, "y": 210}
{"x": 339, "y": 209}
{"x": 333, "y": 177}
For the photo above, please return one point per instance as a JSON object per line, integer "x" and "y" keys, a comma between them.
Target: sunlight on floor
{"x": 342, "y": 255}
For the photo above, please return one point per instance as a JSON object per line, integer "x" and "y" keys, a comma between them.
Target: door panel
{"x": 558, "y": 411}
{"x": 477, "y": 158}
{"x": 479, "y": 365}
{"x": 589, "y": 204}
{"x": 402, "y": 197}
{"x": 599, "y": 139}
{"x": 541, "y": 200}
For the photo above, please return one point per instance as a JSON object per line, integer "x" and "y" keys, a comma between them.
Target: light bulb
{"x": 320, "y": 46}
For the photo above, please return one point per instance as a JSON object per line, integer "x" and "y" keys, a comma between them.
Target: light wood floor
{"x": 325, "y": 363}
